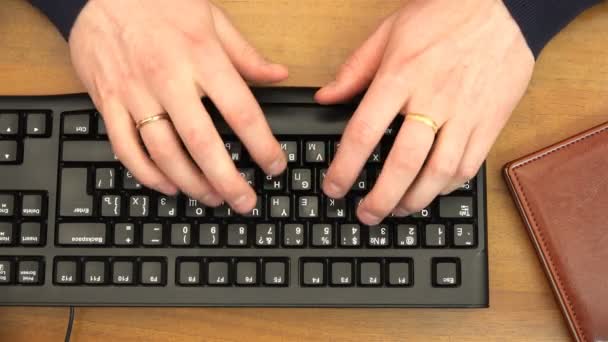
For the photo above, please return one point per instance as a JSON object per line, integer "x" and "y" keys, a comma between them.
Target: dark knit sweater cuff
{"x": 540, "y": 20}
{"x": 62, "y": 13}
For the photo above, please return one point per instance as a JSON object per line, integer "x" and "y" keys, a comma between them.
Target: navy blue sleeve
{"x": 62, "y": 13}
{"x": 540, "y": 20}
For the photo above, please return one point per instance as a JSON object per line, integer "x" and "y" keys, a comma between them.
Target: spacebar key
{"x": 87, "y": 151}
{"x": 81, "y": 234}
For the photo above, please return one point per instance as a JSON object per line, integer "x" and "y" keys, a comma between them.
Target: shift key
{"x": 81, "y": 234}
{"x": 87, "y": 151}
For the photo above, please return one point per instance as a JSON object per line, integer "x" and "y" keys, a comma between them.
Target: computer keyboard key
{"x": 123, "y": 272}
{"x": 464, "y": 235}
{"x": 166, "y": 206}
{"x": 152, "y": 273}
{"x": 399, "y": 273}
{"x": 189, "y": 273}
{"x": 341, "y": 273}
{"x": 322, "y": 235}
{"x": 6, "y": 233}
{"x": 280, "y": 207}
{"x": 194, "y": 208}
{"x": 257, "y": 210}
{"x": 94, "y": 272}
{"x": 237, "y": 235}
{"x": 30, "y": 234}
{"x": 101, "y": 126}
{"x": 124, "y": 234}
{"x": 265, "y": 235}
{"x": 370, "y": 273}
{"x": 217, "y": 273}
{"x": 235, "y": 150}
{"x": 105, "y": 179}
{"x": 87, "y": 151}
{"x": 223, "y": 211}
{"x": 75, "y": 201}
{"x": 246, "y": 273}
{"x": 274, "y": 183}
{"x": 308, "y": 207}
{"x": 456, "y": 207}
{"x": 9, "y": 124}
{"x": 435, "y": 235}
{"x": 66, "y": 272}
{"x": 139, "y": 206}
{"x": 7, "y": 205}
{"x": 36, "y": 124}
{"x": 379, "y": 236}
{"x": 360, "y": 183}
{"x": 301, "y": 179}
{"x": 315, "y": 152}
{"x": 313, "y": 273}
{"x": 335, "y": 208}
{"x": 424, "y": 213}
{"x": 275, "y": 273}
{"x": 407, "y": 235}
{"x": 209, "y": 234}
{"x": 249, "y": 176}
{"x": 468, "y": 185}
{"x": 8, "y": 151}
{"x": 181, "y": 234}
{"x": 81, "y": 234}
{"x": 376, "y": 156}
{"x": 350, "y": 235}
{"x": 152, "y": 234}
{"x": 29, "y": 272}
{"x": 76, "y": 124}
{"x": 446, "y": 273}
{"x": 32, "y": 205}
{"x": 129, "y": 182}
{"x": 290, "y": 148}
{"x": 293, "y": 235}
{"x": 110, "y": 206}
{"x": 6, "y": 271}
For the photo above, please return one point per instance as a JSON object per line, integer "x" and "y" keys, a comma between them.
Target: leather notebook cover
{"x": 562, "y": 195}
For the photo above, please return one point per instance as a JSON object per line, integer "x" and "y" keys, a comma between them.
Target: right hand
{"x": 141, "y": 58}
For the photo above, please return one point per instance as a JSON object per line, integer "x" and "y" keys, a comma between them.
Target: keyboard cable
{"x": 68, "y": 331}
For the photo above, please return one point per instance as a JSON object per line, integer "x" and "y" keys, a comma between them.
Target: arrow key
{"x": 9, "y": 124}
{"x": 8, "y": 152}
{"x": 36, "y": 124}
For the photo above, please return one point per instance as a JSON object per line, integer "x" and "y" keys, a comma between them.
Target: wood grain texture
{"x": 569, "y": 93}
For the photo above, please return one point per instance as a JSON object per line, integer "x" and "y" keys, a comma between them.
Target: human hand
{"x": 141, "y": 58}
{"x": 464, "y": 63}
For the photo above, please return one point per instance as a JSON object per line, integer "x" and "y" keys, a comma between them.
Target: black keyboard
{"x": 76, "y": 228}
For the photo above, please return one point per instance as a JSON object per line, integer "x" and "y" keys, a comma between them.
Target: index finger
{"x": 383, "y": 100}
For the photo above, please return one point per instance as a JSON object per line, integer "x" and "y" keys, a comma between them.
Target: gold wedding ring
{"x": 425, "y": 119}
{"x": 141, "y": 123}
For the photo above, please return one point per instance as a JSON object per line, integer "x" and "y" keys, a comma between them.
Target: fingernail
{"x": 212, "y": 198}
{"x": 369, "y": 218}
{"x": 277, "y": 166}
{"x": 400, "y": 212}
{"x": 331, "y": 189}
{"x": 240, "y": 204}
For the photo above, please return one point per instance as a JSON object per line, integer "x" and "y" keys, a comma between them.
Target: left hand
{"x": 465, "y": 64}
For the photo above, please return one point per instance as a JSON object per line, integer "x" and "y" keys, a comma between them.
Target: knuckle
{"x": 197, "y": 141}
{"x": 442, "y": 169}
{"x": 154, "y": 66}
{"x": 159, "y": 148}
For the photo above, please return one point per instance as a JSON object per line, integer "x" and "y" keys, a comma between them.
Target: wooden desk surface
{"x": 569, "y": 93}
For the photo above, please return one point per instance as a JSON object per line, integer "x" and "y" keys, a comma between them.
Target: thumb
{"x": 359, "y": 69}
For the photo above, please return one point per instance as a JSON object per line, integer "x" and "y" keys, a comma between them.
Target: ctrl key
{"x": 29, "y": 272}
{"x": 446, "y": 272}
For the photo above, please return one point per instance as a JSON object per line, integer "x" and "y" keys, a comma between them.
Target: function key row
{"x": 105, "y": 271}
{"x": 316, "y": 272}
{"x": 21, "y": 270}
{"x": 31, "y": 124}
{"x": 266, "y": 235}
{"x": 228, "y": 271}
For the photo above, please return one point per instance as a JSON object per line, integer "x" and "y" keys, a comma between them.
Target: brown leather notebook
{"x": 562, "y": 194}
